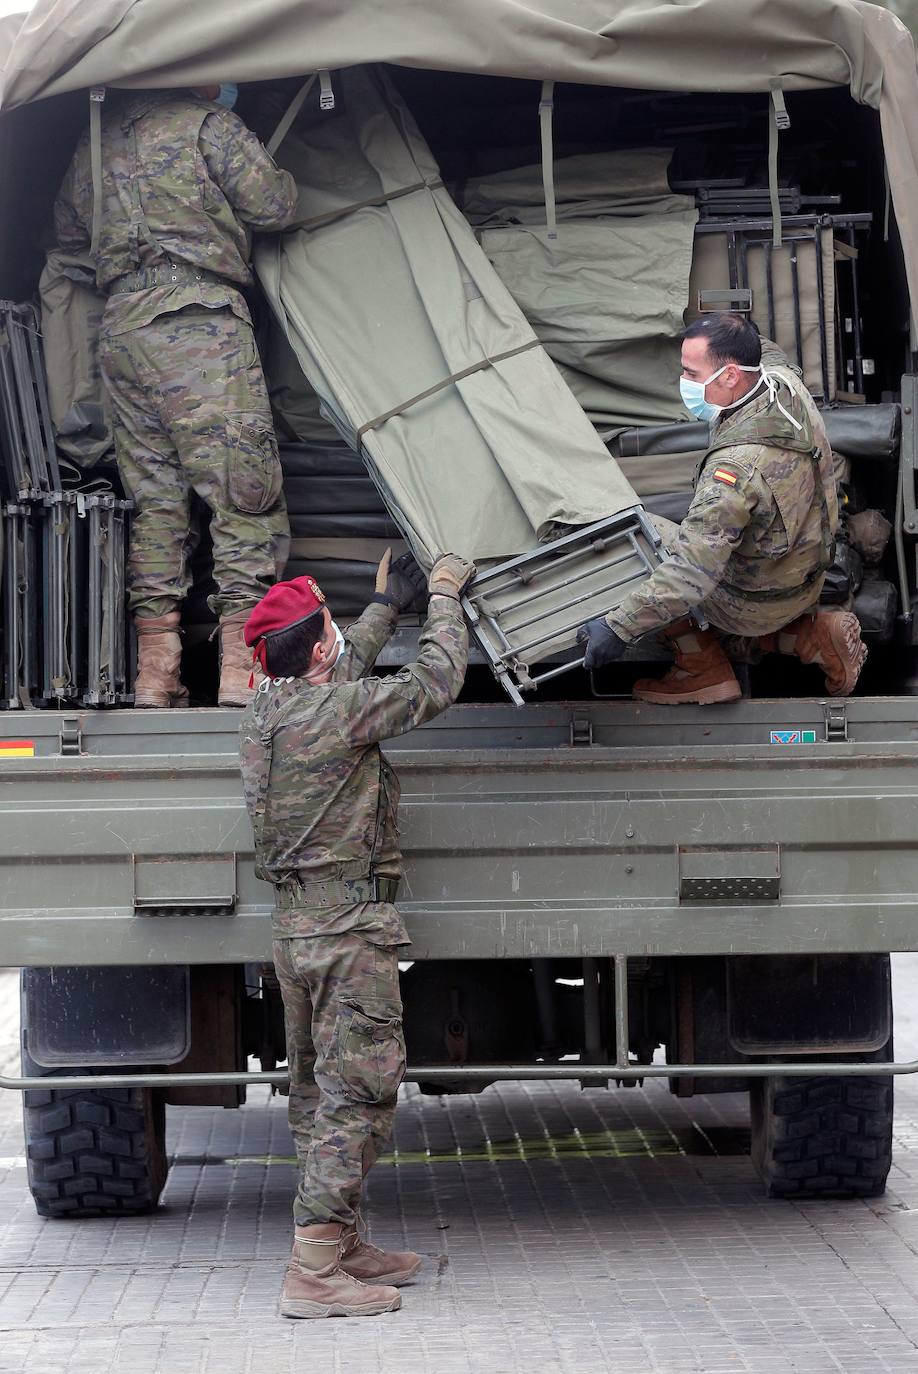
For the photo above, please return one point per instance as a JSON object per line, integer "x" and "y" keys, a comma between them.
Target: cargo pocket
{"x": 254, "y": 474}
{"x": 371, "y": 1054}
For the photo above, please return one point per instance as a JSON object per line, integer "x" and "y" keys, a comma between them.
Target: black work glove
{"x": 406, "y": 585}
{"x": 602, "y": 643}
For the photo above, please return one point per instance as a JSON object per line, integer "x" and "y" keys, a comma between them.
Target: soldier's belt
{"x": 169, "y": 274}
{"x": 773, "y": 593}
{"x": 336, "y": 892}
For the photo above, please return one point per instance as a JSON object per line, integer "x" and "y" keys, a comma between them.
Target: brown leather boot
{"x": 368, "y": 1263}
{"x": 235, "y": 661}
{"x": 159, "y": 657}
{"x": 315, "y": 1284}
{"x": 830, "y": 638}
{"x": 700, "y": 674}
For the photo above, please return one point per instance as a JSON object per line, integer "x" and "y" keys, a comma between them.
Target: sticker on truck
{"x": 792, "y": 737}
{"x": 17, "y": 749}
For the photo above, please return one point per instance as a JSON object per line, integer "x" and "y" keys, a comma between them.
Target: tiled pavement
{"x": 564, "y": 1231}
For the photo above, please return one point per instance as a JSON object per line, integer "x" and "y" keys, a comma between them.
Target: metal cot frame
{"x": 521, "y": 605}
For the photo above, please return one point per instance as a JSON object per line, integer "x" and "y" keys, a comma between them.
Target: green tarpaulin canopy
{"x": 708, "y": 45}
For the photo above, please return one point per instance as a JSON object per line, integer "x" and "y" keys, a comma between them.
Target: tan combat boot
{"x": 315, "y": 1284}
{"x": 830, "y": 638}
{"x": 159, "y": 657}
{"x": 701, "y": 673}
{"x": 235, "y": 661}
{"x": 368, "y": 1263}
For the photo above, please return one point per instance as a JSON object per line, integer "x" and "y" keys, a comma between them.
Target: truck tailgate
{"x": 558, "y": 830}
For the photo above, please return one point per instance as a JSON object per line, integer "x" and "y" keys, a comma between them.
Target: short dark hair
{"x": 731, "y": 338}
{"x": 288, "y": 653}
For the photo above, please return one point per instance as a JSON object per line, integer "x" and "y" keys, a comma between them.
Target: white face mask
{"x": 339, "y": 645}
{"x": 317, "y": 674}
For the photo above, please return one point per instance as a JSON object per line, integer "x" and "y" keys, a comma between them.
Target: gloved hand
{"x": 382, "y": 572}
{"x": 405, "y": 584}
{"x": 450, "y": 575}
{"x": 603, "y": 645}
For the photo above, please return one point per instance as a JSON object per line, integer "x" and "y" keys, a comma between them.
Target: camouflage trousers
{"x": 346, "y": 1053}
{"x": 190, "y": 414}
{"x": 742, "y": 618}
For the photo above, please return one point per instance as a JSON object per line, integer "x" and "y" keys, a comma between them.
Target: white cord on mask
{"x": 771, "y": 383}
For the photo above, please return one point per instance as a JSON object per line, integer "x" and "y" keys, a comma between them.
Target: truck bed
{"x": 557, "y": 830}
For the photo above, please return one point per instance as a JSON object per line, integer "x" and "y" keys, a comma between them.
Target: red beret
{"x": 286, "y": 604}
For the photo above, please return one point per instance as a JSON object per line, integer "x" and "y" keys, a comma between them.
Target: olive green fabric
{"x": 720, "y": 45}
{"x": 385, "y": 302}
{"x": 607, "y": 289}
{"x": 71, "y": 313}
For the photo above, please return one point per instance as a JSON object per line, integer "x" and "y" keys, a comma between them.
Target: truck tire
{"x": 98, "y": 1152}
{"x": 822, "y": 1137}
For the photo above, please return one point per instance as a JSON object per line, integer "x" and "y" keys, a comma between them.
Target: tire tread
{"x": 94, "y": 1152}
{"x": 823, "y": 1137}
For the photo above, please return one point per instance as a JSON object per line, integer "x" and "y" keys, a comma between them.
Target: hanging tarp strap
{"x": 290, "y": 114}
{"x": 96, "y": 98}
{"x": 326, "y": 102}
{"x": 546, "y": 112}
{"x": 384, "y": 198}
{"x": 326, "y": 94}
{"x": 778, "y": 121}
{"x": 446, "y": 381}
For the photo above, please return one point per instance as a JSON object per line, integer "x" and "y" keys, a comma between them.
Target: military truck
{"x": 596, "y": 889}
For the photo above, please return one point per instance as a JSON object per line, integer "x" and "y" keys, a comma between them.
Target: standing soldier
{"x": 751, "y": 555}
{"x": 323, "y": 803}
{"x": 183, "y": 182}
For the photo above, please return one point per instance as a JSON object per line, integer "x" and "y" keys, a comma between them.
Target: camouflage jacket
{"x": 183, "y": 180}
{"x": 322, "y": 797}
{"x": 775, "y": 360}
{"x": 762, "y": 520}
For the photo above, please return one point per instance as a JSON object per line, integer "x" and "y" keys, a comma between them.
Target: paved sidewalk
{"x": 564, "y": 1231}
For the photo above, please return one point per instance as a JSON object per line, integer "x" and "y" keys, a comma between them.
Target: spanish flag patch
{"x": 722, "y": 475}
{"x": 17, "y": 749}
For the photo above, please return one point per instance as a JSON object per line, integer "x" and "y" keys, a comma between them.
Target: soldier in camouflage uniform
{"x": 323, "y": 802}
{"x": 184, "y": 183}
{"x": 751, "y": 555}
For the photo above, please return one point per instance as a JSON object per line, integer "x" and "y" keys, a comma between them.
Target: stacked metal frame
{"x": 803, "y": 292}
{"x": 64, "y": 633}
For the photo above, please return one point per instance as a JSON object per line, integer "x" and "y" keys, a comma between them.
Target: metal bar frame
{"x": 496, "y": 1073}
{"x": 856, "y": 316}
{"x": 92, "y": 695}
{"x": 30, "y": 584}
{"x": 809, "y": 229}
{"x": 26, "y": 394}
{"x": 19, "y": 474}
{"x": 505, "y": 658}
{"x": 623, "y": 1067}
{"x": 40, "y": 378}
{"x": 12, "y": 647}
{"x": 861, "y": 219}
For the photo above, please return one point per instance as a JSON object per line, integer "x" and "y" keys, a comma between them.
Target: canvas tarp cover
{"x": 606, "y": 289}
{"x": 386, "y": 302}
{"x": 708, "y": 45}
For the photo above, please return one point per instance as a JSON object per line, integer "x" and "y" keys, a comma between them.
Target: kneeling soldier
{"x": 751, "y": 555}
